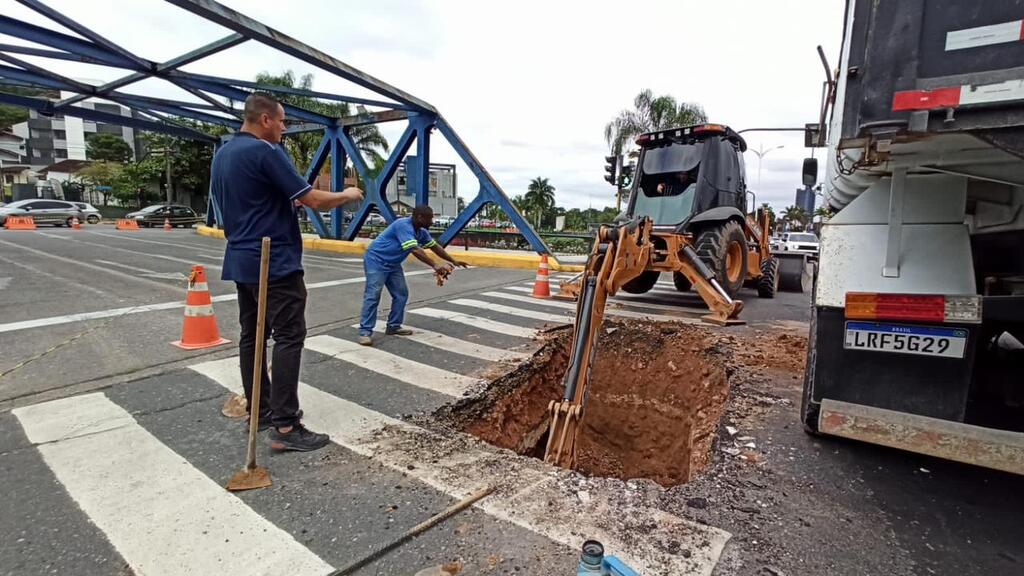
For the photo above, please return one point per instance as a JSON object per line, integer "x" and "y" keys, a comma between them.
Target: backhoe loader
{"x": 686, "y": 215}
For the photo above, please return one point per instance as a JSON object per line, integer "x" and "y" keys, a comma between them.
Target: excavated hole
{"x": 656, "y": 395}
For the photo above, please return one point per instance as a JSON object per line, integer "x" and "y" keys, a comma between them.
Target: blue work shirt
{"x": 255, "y": 185}
{"x": 389, "y": 250}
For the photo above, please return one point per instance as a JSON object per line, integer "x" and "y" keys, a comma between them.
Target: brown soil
{"x": 656, "y": 395}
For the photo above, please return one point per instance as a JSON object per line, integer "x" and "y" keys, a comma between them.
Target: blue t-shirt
{"x": 389, "y": 250}
{"x": 255, "y": 185}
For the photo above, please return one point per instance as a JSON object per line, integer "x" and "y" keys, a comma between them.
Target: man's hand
{"x": 352, "y": 194}
{"x": 461, "y": 264}
{"x": 443, "y": 268}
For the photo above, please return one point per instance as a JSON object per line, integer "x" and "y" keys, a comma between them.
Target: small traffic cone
{"x": 542, "y": 287}
{"x": 167, "y": 224}
{"x": 200, "y": 328}
{"x": 75, "y": 224}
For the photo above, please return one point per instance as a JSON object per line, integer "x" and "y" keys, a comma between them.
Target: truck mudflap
{"x": 987, "y": 447}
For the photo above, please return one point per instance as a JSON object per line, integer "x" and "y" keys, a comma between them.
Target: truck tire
{"x": 642, "y": 283}
{"x": 809, "y": 409}
{"x": 768, "y": 283}
{"x": 681, "y": 281}
{"x": 724, "y": 249}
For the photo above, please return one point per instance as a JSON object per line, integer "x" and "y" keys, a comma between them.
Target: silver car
{"x": 92, "y": 215}
{"x": 53, "y": 212}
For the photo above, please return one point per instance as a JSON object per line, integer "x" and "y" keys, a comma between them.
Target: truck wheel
{"x": 724, "y": 249}
{"x": 768, "y": 283}
{"x": 642, "y": 283}
{"x": 681, "y": 281}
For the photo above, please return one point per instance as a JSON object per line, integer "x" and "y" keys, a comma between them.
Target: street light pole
{"x": 761, "y": 153}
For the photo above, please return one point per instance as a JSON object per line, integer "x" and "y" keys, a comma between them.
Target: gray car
{"x": 53, "y": 212}
{"x": 92, "y": 215}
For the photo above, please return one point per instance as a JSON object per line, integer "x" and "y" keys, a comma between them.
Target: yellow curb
{"x": 471, "y": 257}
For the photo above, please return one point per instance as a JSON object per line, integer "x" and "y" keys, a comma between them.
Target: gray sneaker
{"x": 366, "y": 341}
{"x": 298, "y": 439}
{"x": 398, "y": 331}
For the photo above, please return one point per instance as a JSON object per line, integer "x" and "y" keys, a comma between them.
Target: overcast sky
{"x": 528, "y": 85}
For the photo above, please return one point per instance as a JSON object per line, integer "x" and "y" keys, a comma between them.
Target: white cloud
{"x": 530, "y": 85}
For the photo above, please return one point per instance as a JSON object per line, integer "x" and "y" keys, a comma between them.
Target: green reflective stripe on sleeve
{"x": 408, "y": 244}
{"x": 429, "y": 244}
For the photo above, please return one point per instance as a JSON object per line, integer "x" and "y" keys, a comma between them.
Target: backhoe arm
{"x": 619, "y": 255}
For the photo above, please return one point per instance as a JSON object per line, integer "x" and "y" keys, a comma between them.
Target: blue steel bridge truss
{"x": 217, "y": 98}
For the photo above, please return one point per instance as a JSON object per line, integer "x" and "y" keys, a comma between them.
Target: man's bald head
{"x": 264, "y": 117}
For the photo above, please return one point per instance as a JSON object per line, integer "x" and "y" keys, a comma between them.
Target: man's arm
{"x": 437, "y": 249}
{"x": 323, "y": 200}
{"x": 422, "y": 256}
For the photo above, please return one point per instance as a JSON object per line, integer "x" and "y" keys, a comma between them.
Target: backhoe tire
{"x": 768, "y": 283}
{"x": 724, "y": 249}
{"x": 642, "y": 283}
{"x": 681, "y": 281}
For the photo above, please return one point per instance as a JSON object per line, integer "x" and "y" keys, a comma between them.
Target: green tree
{"x": 301, "y": 147}
{"x": 190, "y": 159}
{"x": 761, "y": 210}
{"x": 132, "y": 186}
{"x": 796, "y": 217}
{"x": 107, "y": 148}
{"x": 822, "y": 213}
{"x": 649, "y": 113}
{"x": 10, "y": 114}
{"x": 539, "y": 197}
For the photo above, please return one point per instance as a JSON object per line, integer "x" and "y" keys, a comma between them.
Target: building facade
{"x": 442, "y": 189}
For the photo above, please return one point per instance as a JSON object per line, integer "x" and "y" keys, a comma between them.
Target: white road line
{"x": 126, "y": 266}
{"x": 393, "y": 366}
{"x": 4, "y": 282}
{"x": 609, "y": 310}
{"x": 511, "y": 310}
{"x": 48, "y": 235}
{"x": 74, "y": 262}
{"x": 456, "y": 345}
{"x": 129, "y": 237}
{"x": 148, "y": 254}
{"x": 475, "y": 321}
{"x": 57, "y": 320}
{"x": 616, "y": 301}
{"x": 532, "y": 495}
{"x": 58, "y": 278}
{"x": 163, "y": 515}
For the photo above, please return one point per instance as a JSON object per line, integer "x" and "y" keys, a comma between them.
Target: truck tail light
{"x": 914, "y": 307}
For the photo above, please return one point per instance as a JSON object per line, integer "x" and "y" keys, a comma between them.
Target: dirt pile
{"x": 655, "y": 398}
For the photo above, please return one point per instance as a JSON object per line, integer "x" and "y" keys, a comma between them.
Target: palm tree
{"x": 367, "y": 137}
{"x": 540, "y": 196}
{"x": 649, "y": 113}
{"x": 795, "y": 216}
{"x": 762, "y": 210}
{"x": 822, "y": 213}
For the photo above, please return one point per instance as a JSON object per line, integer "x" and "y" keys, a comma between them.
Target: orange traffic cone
{"x": 200, "y": 328}
{"x": 541, "y": 287}
{"x": 167, "y": 224}
{"x": 75, "y": 224}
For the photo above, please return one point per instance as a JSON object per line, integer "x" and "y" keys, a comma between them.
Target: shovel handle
{"x": 257, "y": 369}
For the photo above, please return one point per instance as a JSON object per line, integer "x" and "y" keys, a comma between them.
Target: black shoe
{"x": 266, "y": 423}
{"x": 299, "y": 439}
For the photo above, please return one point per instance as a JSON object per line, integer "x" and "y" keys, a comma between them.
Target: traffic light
{"x": 611, "y": 167}
{"x": 626, "y": 177}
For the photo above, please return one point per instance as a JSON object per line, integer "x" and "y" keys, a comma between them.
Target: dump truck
{"x": 917, "y": 333}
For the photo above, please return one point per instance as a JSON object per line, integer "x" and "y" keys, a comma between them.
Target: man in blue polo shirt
{"x": 258, "y": 190}
{"x": 383, "y": 266}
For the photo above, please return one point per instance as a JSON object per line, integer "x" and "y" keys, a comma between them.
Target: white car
{"x": 92, "y": 215}
{"x": 798, "y": 242}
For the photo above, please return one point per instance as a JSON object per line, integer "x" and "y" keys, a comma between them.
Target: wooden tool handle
{"x": 257, "y": 368}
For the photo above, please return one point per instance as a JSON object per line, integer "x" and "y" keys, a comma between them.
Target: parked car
{"x": 375, "y": 219}
{"x": 799, "y": 241}
{"x": 442, "y": 221}
{"x": 53, "y": 212}
{"x": 156, "y": 214}
{"x": 92, "y": 215}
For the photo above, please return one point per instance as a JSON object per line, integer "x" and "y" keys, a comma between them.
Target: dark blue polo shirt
{"x": 255, "y": 185}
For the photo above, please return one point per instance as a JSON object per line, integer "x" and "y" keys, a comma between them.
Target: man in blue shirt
{"x": 383, "y": 266}
{"x": 257, "y": 189}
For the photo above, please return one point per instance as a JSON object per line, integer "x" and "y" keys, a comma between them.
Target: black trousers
{"x": 286, "y": 324}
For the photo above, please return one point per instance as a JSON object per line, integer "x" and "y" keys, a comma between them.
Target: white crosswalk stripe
{"x": 531, "y": 497}
{"x": 160, "y": 513}
{"x": 475, "y": 322}
{"x": 393, "y": 366}
{"x": 511, "y": 310}
{"x": 609, "y": 310}
{"x": 456, "y": 345}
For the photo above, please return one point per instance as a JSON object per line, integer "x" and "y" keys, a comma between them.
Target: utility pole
{"x": 167, "y": 164}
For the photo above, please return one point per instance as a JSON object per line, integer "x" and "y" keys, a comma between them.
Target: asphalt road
{"x": 113, "y": 449}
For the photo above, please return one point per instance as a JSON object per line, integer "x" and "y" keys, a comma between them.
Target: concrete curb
{"x": 471, "y": 257}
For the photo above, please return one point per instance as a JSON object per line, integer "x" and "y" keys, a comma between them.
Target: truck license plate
{"x": 920, "y": 340}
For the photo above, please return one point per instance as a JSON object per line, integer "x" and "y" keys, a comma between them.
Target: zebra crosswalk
{"x": 144, "y": 466}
